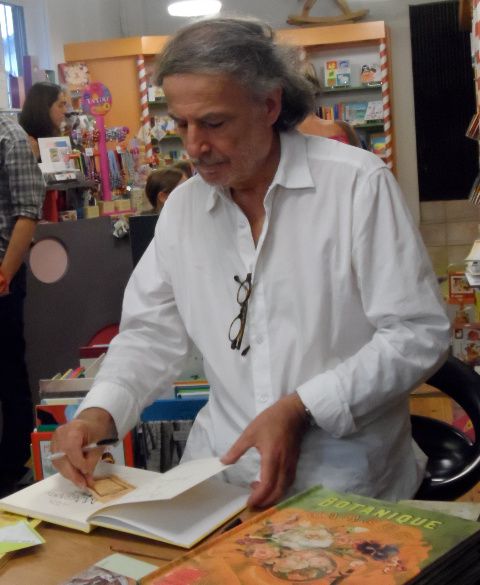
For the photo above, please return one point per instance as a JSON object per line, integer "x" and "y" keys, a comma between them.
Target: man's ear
{"x": 273, "y": 103}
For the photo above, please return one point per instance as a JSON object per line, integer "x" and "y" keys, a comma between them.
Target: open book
{"x": 180, "y": 507}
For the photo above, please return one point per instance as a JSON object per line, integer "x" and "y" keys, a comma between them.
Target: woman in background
{"x": 43, "y": 113}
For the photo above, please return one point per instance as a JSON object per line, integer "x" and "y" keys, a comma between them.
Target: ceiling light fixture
{"x": 194, "y": 8}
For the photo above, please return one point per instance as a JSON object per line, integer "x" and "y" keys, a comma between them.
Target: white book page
{"x": 164, "y": 486}
{"x": 183, "y": 520}
{"x": 55, "y": 499}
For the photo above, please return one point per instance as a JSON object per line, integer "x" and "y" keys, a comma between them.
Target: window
{"x": 12, "y": 28}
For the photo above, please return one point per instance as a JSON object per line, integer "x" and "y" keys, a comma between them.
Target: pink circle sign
{"x": 96, "y": 99}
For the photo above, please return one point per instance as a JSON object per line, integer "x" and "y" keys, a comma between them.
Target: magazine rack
{"x": 453, "y": 466}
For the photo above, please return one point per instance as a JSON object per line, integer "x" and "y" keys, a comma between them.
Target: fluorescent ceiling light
{"x": 194, "y": 8}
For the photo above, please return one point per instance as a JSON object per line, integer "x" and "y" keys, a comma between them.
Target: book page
{"x": 183, "y": 520}
{"x": 54, "y": 499}
{"x": 164, "y": 486}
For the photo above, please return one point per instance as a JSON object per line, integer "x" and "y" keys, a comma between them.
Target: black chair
{"x": 453, "y": 458}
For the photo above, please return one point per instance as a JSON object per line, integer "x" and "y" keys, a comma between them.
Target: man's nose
{"x": 195, "y": 142}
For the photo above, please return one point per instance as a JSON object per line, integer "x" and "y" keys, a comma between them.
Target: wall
{"x": 52, "y": 23}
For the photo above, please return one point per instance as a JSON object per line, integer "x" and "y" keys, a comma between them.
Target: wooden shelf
{"x": 367, "y": 125}
{"x": 352, "y": 88}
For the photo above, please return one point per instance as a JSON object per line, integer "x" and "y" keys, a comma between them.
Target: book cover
{"x": 330, "y": 73}
{"x": 321, "y": 537}
{"x": 371, "y": 74}
{"x": 116, "y": 569}
{"x": 355, "y": 112}
{"x": 180, "y": 506}
{"x": 343, "y": 74}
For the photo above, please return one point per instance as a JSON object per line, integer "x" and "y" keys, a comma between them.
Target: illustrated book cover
{"x": 321, "y": 537}
{"x": 180, "y": 506}
{"x": 116, "y": 569}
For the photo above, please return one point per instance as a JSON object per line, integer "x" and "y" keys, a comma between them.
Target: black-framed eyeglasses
{"x": 237, "y": 326}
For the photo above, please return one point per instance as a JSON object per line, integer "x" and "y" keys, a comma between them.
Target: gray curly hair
{"x": 244, "y": 49}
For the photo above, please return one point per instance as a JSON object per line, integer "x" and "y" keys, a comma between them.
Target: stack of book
{"x": 322, "y": 537}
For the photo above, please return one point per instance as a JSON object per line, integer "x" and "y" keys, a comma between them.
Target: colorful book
{"x": 321, "y": 537}
{"x": 355, "y": 112}
{"x": 179, "y": 507}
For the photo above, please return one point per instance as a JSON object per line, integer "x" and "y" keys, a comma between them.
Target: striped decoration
{"x": 145, "y": 114}
{"x": 387, "y": 114}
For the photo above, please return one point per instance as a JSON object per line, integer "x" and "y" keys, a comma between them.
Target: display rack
{"x": 121, "y": 65}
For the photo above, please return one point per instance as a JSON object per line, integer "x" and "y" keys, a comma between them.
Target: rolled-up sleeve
{"x": 400, "y": 298}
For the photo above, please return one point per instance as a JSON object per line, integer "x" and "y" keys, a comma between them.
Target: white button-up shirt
{"x": 344, "y": 309}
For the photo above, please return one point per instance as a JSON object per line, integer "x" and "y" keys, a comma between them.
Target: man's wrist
{"x": 309, "y": 416}
{"x": 306, "y": 412}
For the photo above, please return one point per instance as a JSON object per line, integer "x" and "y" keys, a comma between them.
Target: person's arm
{"x": 142, "y": 360}
{"x": 27, "y": 191}
{"x": 18, "y": 246}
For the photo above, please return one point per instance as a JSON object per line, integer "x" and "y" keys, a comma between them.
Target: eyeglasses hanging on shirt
{"x": 237, "y": 326}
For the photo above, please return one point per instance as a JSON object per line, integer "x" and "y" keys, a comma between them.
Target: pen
{"x": 89, "y": 447}
{"x": 232, "y": 524}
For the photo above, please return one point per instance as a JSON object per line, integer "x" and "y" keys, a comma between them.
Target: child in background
{"x": 160, "y": 184}
{"x": 186, "y": 167}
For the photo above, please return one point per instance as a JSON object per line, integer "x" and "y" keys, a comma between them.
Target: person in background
{"x": 294, "y": 266}
{"x": 43, "y": 113}
{"x": 160, "y": 183}
{"x": 316, "y": 126}
{"x": 186, "y": 167}
{"x": 22, "y": 191}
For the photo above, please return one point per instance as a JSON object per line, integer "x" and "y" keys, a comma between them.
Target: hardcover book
{"x": 180, "y": 506}
{"x": 321, "y": 537}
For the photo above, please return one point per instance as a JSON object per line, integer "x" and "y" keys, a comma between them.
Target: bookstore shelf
{"x": 121, "y": 63}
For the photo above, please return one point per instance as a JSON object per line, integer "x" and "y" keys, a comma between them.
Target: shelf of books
{"x": 355, "y": 89}
{"x": 359, "y": 51}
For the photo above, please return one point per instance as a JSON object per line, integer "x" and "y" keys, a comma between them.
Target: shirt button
{"x": 263, "y": 398}
{"x": 242, "y": 223}
{"x": 259, "y": 339}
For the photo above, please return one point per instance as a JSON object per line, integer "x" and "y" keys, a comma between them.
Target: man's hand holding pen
{"x": 77, "y": 446}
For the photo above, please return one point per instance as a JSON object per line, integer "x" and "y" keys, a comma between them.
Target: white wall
{"x": 68, "y": 21}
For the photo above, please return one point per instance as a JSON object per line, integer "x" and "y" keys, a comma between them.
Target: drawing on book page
{"x": 109, "y": 488}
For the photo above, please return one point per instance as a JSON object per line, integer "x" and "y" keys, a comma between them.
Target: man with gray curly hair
{"x": 293, "y": 264}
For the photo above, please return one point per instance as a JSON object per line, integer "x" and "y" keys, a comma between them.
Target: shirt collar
{"x": 293, "y": 171}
